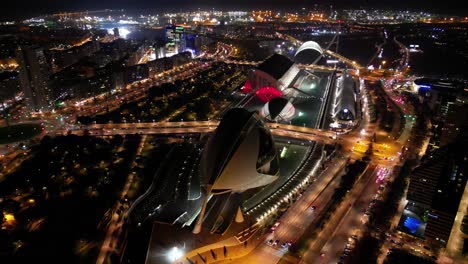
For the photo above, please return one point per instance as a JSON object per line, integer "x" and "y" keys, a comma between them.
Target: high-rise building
{"x": 456, "y": 118}
{"x": 34, "y": 78}
{"x": 175, "y": 40}
{"x": 116, "y": 32}
{"x": 446, "y": 100}
{"x": 434, "y": 193}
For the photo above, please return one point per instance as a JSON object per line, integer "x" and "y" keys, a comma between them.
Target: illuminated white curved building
{"x": 309, "y": 45}
{"x": 308, "y": 53}
{"x": 238, "y": 159}
{"x": 278, "y": 109}
{"x": 239, "y": 156}
{"x": 345, "y": 99}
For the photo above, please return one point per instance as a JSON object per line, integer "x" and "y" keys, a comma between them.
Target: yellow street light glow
{"x": 9, "y": 217}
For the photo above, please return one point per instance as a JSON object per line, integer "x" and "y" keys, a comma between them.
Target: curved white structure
{"x": 309, "y": 45}
{"x": 241, "y": 172}
{"x": 278, "y": 109}
{"x": 345, "y": 99}
{"x": 210, "y": 185}
{"x": 237, "y": 157}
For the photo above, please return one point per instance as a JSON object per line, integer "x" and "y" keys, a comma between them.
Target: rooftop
{"x": 276, "y": 65}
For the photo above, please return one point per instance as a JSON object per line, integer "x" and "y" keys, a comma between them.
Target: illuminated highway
{"x": 347, "y": 220}
{"x": 296, "y": 219}
{"x": 282, "y": 130}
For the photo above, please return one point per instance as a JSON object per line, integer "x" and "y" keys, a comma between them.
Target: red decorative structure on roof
{"x": 247, "y": 88}
{"x": 265, "y": 94}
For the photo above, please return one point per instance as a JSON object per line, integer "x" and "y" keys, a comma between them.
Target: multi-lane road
{"x": 348, "y": 220}
{"x": 297, "y": 218}
{"x": 282, "y": 130}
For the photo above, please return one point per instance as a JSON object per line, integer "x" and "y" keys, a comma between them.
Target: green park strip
{"x": 20, "y": 132}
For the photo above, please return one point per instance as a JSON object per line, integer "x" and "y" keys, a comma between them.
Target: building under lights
{"x": 287, "y": 76}
{"x": 197, "y": 196}
{"x": 300, "y": 84}
{"x": 309, "y": 52}
{"x": 175, "y": 40}
{"x": 34, "y": 78}
{"x": 434, "y": 193}
{"x": 345, "y": 99}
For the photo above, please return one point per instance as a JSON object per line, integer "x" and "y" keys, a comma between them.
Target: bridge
{"x": 298, "y": 42}
{"x": 189, "y": 127}
{"x": 243, "y": 62}
{"x": 352, "y": 63}
{"x": 319, "y": 67}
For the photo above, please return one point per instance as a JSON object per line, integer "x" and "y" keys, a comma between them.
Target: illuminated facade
{"x": 239, "y": 156}
{"x": 175, "y": 40}
{"x": 435, "y": 192}
{"x": 308, "y": 53}
{"x": 345, "y": 99}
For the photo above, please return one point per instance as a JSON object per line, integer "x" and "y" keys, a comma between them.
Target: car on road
{"x": 270, "y": 242}
{"x": 276, "y": 242}
{"x": 275, "y": 226}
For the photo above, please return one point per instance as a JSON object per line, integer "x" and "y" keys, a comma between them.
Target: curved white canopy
{"x": 309, "y": 45}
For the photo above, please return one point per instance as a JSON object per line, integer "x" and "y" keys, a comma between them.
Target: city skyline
{"x": 42, "y": 7}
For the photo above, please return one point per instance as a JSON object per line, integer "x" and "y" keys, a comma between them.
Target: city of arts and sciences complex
{"x": 186, "y": 132}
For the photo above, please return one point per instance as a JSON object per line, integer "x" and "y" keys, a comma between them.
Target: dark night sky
{"x": 25, "y": 8}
